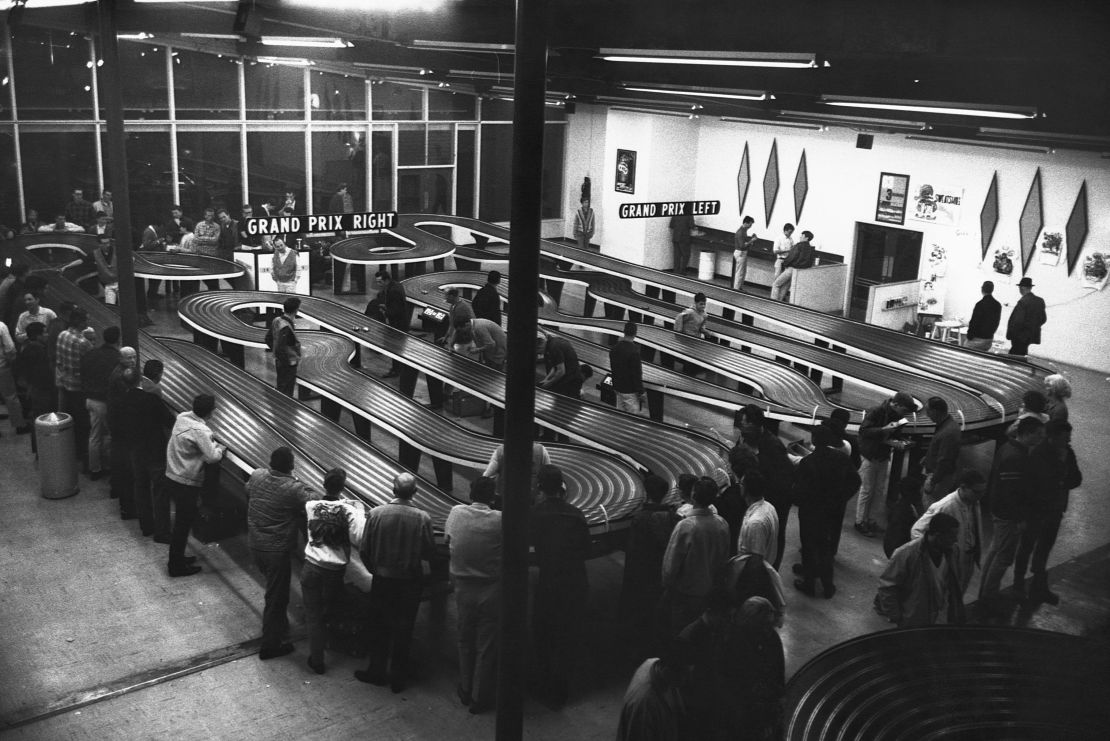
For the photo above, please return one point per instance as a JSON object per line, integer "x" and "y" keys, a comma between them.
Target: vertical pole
{"x": 117, "y": 168}
{"x": 520, "y": 381}
{"x": 15, "y": 124}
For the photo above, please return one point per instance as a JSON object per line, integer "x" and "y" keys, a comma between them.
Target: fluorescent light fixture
{"x": 182, "y": 2}
{"x": 462, "y": 46}
{"x": 773, "y": 122}
{"x": 889, "y": 124}
{"x": 649, "y": 111}
{"x": 135, "y": 36}
{"x": 222, "y": 36}
{"x": 323, "y": 42}
{"x": 662, "y": 104}
{"x": 922, "y": 106}
{"x": 988, "y": 145}
{"x": 387, "y": 5}
{"x": 700, "y": 92}
{"x": 389, "y": 68}
{"x": 710, "y": 58}
{"x": 32, "y": 4}
{"x": 1076, "y": 139}
{"x": 286, "y": 61}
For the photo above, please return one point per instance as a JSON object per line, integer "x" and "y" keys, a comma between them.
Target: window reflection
{"x": 52, "y": 75}
{"x": 54, "y": 164}
{"x": 464, "y": 194}
{"x": 275, "y": 160}
{"x": 9, "y": 192}
{"x": 337, "y": 97}
{"x": 447, "y": 106}
{"x": 274, "y": 92}
{"x": 334, "y": 163}
{"x": 209, "y": 173}
{"x": 381, "y": 170}
{"x": 142, "y": 82}
{"x": 426, "y": 190}
{"x": 205, "y": 85}
{"x": 394, "y": 102}
{"x": 149, "y": 176}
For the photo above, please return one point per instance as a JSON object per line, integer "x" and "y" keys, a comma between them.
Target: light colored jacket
{"x": 909, "y": 595}
{"x": 191, "y": 446}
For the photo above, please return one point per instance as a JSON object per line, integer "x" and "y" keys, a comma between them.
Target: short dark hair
{"x": 630, "y": 329}
{"x": 937, "y": 404}
{"x": 699, "y": 297}
{"x": 839, "y": 418}
{"x": 462, "y": 321}
{"x": 749, "y": 220}
{"x": 705, "y": 491}
{"x": 970, "y": 477}
{"x": 655, "y": 487}
{"x": 788, "y": 225}
{"x": 550, "y": 481}
{"x": 111, "y": 335}
{"x": 452, "y": 292}
{"x": 494, "y": 276}
{"x": 685, "y": 484}
{"x": 1028, "y": 425}
{"x": 942, "y": 522}
{"x": 78, "y": 317}
{"x": 281, "y": 459}
{"x": 335, "y": 480}
{"x": 988, "y": 287}
{"x": 903, "y": 399}
{"x": 822, "y": 436}
{"x": 290, "y": 305}
{"x": 807, "y": 234}
{"x": 383, "y": 274}
{"x": 153, "y": 369}
{"x": 483, "y": 489}
{"x": 753, "y": 413}
{"x": 203, "y": 404}
{"x": 755, "y": 484}
{"x": 35, "y": 329}
{"x": 1034, "y": 401}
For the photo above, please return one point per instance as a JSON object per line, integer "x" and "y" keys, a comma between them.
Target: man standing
{"x": 121, "y": 479}
{"x": 275, "y": 508}
{"x": 289, "y": 205}
{"x": 1057, "y": 473}
{"x": 229, "y": 235}
{"x": 561, "y": 538}
{"x": 774, "y": 463}
{"x": 824, "y": 481}
{"x": 35, "y": 312}
{"x": 564, "y": 373}
{"x": 284, "y": 266}
{"x": 8, "y": 391}
{"x": 697, "y": 550}
{"x": 743, "y": 242}
{"x": 877, "y": 437}
{"x": 782, "y": 247}
{"x": 107, "y": 271}
{"x": 473, "y": 534}
{"x": 192, "y": 445}
{"x": 584, "y": 223}
{"x": 759, "y": 529}
{"x": 487, "y": 301}
{"x": 649, "y": 532}
{"x": 341, "y": 201}
{"x": 178, "y": 226}
{"x": 963, "y": 505}
{"x": 398, "y": 537}
{"x": 1012, "y": 494}
{"x": 691, "y": 320}
{"x": 681, "y": 225}
{"x": 459, "y": 310}
{"x": 800, "y": 257}
{"x": 245, "y": 238}
{"x": 79, "y": 211}
{"x": 984, "y": 320}
{"x": 287, "y": 348}
{"x": 96, "y": 370}
{"x": 70, "y": 347}
{"x": 1024, "y": 327}
{"x": 105, "y": 205}
{"x": 627, "y": 371}
{"x": 145, "y": 419}
{"x": 943, "y": 455}
{"x": 919, "y": 586}
{"x": 395, "y": 306}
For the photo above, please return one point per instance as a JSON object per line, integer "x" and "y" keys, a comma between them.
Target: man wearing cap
{"x": 984, "y": 320}
{"x": 877, "y": 436}
{"x": 1026, "y": 320}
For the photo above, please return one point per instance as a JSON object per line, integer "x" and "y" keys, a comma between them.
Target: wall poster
{"x": 626, "y": 171}
{"x": 938, "y": 204}
{"x": 893, "y": 189}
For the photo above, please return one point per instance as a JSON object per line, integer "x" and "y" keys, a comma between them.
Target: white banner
{"x": 937, "y": 204}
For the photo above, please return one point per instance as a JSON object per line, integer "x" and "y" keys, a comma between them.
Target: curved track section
{"x": 367, "y": 249}
{"x": 950, "y": 682}
{"x": 185, "y": 266}
{"x": 664, "y": 449}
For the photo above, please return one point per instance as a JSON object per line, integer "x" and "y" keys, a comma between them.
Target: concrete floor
{"x": 99, "y": 643}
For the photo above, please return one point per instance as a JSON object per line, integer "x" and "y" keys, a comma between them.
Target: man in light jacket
{"x": 920, "y": 586}
{"x": 192, "y": 445}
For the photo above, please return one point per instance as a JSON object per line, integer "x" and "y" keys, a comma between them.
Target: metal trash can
{"x": 57, "y": 461}
{"x": 707, "y": 264}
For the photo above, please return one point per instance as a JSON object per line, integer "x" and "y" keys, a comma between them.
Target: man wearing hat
{"x": 1026, "y": 320}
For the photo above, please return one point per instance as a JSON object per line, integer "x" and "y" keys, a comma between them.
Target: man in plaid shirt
{"x": 79, "y": 211}
{"x": 72, "y": 346}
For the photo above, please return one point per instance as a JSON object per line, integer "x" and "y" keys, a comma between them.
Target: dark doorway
{"x": 883, "y": 255}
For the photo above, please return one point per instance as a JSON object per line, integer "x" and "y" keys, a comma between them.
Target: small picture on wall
{"x": 891, "y": 208}
{"x": 1096, "y": 268}
{"x": 626, "y": 171}
{"x": 1003, "y": 261}
{"x": 1052, "y": 247}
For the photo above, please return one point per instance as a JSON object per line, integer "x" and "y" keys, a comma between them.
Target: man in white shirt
{"x": 783, "y": 245}
{"x": 759, "y": 531}
{"x": 105, "y": 205}
{"x": 963, "y": 504}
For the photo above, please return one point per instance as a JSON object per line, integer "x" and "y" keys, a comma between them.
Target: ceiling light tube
{"x": 322, "y": 42}
{"x": 772, "y": 122}
{"x": 285, "y": 61}
{"x": 922, "y": 106}
{"x": 857, "y": 121}
{"x": 711, "y": 58}
{"x": 32, "y": 4}
{"x": 389, "y": 68}
{"x": 988, "y": 145}
{"x": 464, "y": 46}
{"x": 1078, "y": 139}
{"x": 701, "y": 92}
{"x": 221, "y": 36}
{"x": 649, "y": 111}
{"x": 134, "y": 36}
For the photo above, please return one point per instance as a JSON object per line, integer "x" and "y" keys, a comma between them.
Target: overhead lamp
{"x": 1076, "y": 139}
{"x": 773, "y": 122}
{"x": 135, "y": 36}
{"x": 649, "y": 111}
{"x": 613, "y": 100}
{"x": 220, "y": 36}
{"x": 922, "y": 106}
{"x": 462, "y": 46}
{"x": 286, "y": 61}
{"x": 390, "y": 68}
{"x": 322, "y": 42}
{"x": 987, "y": 144}
{"x": 32, "y": 4}
{"x": 701, "y": 92}
{"x": 889, "y": 124}
{"x": 711, "y": 58}
{"x": 226, "y": 2}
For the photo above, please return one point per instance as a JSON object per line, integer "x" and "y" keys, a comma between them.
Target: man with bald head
{"x": 398, "y": 538}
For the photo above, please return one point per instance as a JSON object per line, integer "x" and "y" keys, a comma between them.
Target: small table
{"x": 942, "y": 330}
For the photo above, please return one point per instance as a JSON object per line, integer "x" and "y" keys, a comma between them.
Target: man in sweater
{"x": 919, "y": 586}
{"x": 287, "y": 348}
{"x": 943, "y": 455}
{"x": 275, "y": 510}
{"x": 744, "y": 241}
{"x": 962, "y": 504}
{"x": 985, "y": 318}
{"x": 626, "y": 368}
{"x": 70, "y": 347}
{"x": 698, "y": 548}
{"x": 192, "y": 445}
{"x": 800, "y": 257}
{"x": 395, "y": 307}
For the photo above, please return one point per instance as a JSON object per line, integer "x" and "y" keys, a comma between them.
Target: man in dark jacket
{"x": 394, "y": 306}
{"x": 775, "y": 466}
{"x": 96, "y": 368}
{"x": 487, "y": 301}
{"x": 985, "y": 318}
{"x": 1013, "y": 491}
{"x": 1057, "y": 473}
{"x": 824, "y": 480}
{"x": 648, "y": 535}
{"x": 287, "y": 348}
{"x": 800, "y": 257}
{"x": 943, "y": 454}
{"x": 145, "y": 422}
{"x": 877, "y": 436}
{"x": 1024, "y": 327}
{"x": 628, "y": 374}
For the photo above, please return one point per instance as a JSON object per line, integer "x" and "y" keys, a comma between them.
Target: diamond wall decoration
{"x": 743, "y": 180}
{"x": 1076, "y": 229}
{"x": 988, "y": 217}
{"x": 801, "y": 188}
{"x": 1031, "y": 222}
{"x": 771, "y": 181}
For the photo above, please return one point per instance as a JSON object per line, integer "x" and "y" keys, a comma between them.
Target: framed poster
{"x": 626, "y": 171}
{"x": 891, "y": 208}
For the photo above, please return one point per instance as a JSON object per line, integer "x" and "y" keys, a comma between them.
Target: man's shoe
{"x": 97, "y": 475}
{"x": 874, "y": 527}
{"x": 464, "y": 696}
{"x": 272, "y": 653}
{"x": 432, "y": 406}
{"x": 128, "y": 516}
{"x": 397, "y": 685}
{"x": 363, "y": 675}
{"x": 318, "y": 668}
{"x": 864, "y": 530}
{"x": 829, "y": 590}
{"x": 805, "y": 587}
{"x": 184, "y": 570}
{"x": 1048, "y": 597}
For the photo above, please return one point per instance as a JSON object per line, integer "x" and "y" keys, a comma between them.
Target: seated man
{"x": 800, "y": 257}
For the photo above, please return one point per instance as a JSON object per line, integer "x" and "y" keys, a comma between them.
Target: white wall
{"x": 585, "y": 157}
{"x": 843, "y": 186}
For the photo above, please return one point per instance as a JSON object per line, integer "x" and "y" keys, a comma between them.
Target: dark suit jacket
{"x": 1026, "y": 320}
{"x": 984, "y": 318}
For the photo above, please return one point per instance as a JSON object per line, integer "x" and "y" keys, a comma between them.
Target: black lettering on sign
{"x": 668, "y": 209}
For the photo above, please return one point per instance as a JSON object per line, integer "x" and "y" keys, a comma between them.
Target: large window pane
{"x": 381, "y": 170}
{"x": 551, "y": 193}
{"x": 206, "y": 86}
{"x": 397, "y": 103}
{"x": 274, "y": 92}
{"x": 336, "y": 161}
{"x": 445, "y": 106}
{"x": 441, "y": 145}
{"x": 464, "y": 171}
{"x": 495, "y": 189}
{"x": 337, "y": 97}
{"x": 149, "y": 177}
{"x": 208, "y": 170}
{"x": 142, "y": 84}
{"x": 52, "y": 77}
{"x": 426, "y": 190}
{"x": 5, "y": 98}
{"x": 497, "y": 109}
{"x": 9, "y": 193}
{"x": 275, "y": 160}
{"x": 410, "y": 145}
{"x": 55, "y": 164}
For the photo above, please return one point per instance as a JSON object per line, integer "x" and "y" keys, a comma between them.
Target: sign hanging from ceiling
{"x": 321, "y": 223}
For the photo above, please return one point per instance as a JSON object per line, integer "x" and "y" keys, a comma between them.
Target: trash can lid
{"x": 53, "y": 418}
